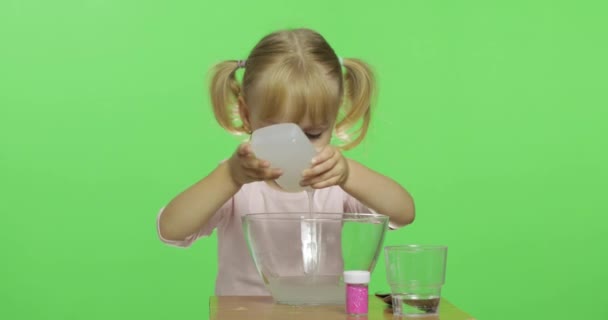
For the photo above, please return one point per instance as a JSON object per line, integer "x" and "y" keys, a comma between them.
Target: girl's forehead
{"x": 306, "y": 123}
{"x": 314, "y": 110}
{"x": 304, "y": 117}
{"x": 290, "y": 93}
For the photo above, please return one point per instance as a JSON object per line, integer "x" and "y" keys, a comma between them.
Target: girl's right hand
{"x": 246, "y": 168}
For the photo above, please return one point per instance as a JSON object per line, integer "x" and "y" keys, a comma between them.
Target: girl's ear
{"x": 244, "y": 114}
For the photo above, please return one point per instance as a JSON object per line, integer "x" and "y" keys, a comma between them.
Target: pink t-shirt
{"x": 237, "y": 274}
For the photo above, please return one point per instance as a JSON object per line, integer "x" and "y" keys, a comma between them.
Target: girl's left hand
{"x": 329, "y": 168}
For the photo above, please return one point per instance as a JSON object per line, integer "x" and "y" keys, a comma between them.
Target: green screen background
{"x": 492, "y": 113}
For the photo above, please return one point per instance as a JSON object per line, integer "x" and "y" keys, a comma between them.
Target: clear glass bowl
{"x": 302, "y": 256}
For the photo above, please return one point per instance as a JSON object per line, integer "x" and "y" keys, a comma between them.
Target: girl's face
{"x": 309, "y": 98}
{"x": 318, "y": 132}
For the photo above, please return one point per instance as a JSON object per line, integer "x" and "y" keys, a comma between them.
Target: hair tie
{"x": 241, "y": 63}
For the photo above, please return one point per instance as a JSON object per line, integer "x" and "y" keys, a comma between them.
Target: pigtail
{"x": 360, "y": 87}
{"x": 224, "y": 90}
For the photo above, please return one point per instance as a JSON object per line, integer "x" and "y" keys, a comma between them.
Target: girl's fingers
{"x": 326, "y": 153}
{"x": 320, "y": 168}
{"x": 323, "y": 164}
{"x": 248, "y": 159}
{"x": 275, "y": 174}
{"x": 328, "y": 175}
{"x": 244, "y": 149}
{"x": 326, "y": 183}
{"x": 249, "y": 163}
{"x": 262, "y": 164}
{"x": 255, "y": 164}
{"x": 264, "y": 174}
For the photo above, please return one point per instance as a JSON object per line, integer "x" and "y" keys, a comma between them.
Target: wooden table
{"x": 254, "y": 308}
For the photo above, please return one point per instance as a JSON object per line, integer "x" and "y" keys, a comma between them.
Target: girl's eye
{"x": 313, "y": 136}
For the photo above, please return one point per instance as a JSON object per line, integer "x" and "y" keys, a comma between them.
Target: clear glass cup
{"x": 415, "y": 274}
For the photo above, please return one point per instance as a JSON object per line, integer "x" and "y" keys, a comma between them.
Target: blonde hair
{"x": 300, "y": 69}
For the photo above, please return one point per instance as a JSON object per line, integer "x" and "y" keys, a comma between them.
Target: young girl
{"x": 290, "y": 76}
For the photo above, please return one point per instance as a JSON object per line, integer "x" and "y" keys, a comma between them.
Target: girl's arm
{"x": 187, "y": 213}
{"x": 374, "y": 190}
{"x": 379, "y": 193}
{"x": 190, "y": 210}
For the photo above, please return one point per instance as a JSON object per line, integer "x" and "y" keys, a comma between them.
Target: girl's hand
{"x": 246, "y": 168}
{"x": 329, "y": 168}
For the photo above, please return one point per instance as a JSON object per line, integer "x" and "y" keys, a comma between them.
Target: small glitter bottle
{"x": 357, "y": 294}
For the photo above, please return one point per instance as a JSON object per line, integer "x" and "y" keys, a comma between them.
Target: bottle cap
{"x": 356, "y": 276}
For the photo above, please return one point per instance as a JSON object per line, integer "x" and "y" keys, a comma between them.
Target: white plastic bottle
{"x": 286, "y": 147}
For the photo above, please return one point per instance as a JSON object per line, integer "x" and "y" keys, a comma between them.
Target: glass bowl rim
{"x": 317, "y": 216}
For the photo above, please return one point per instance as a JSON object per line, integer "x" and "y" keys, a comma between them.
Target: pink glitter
{"x": 356, "y": 299}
